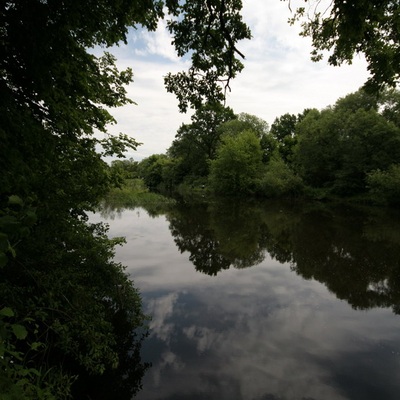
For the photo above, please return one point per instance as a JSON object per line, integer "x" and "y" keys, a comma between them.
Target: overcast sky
{"x": 278, "y": 77}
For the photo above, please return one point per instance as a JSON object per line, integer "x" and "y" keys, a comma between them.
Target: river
{"x": 266, "y": 301}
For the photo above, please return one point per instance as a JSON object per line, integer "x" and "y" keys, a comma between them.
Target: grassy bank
{"x": 134, "y": 193}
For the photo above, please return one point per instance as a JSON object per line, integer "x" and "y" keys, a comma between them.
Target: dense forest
{"x": 350, "y": 150}
{"x": 71, "y": 320}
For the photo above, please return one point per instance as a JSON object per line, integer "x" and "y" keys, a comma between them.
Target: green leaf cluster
{"x": 196, "y": 143}
{"x": 16, "y": 221}
{"x": 237, "y": 165}
{"x": 384, "y": 186}
{"x": 209, "y": 32}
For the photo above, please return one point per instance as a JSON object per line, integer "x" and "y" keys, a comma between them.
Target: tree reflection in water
{"x": 355, "y": 252}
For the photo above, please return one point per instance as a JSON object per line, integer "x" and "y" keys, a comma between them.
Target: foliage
{"x": 237, "y": 167}
{"x": 384, "y": 186}
{"x": 58, "y": 277}
{"x": 279, "y": 180}
{"x": 18, "y": 381}
{"x": 196, "y": 143}
{"x": 317, "y": 154}
{"x": 209, "y": 32}
{"x": 339, "y": 146}
{"x": 359, "y": 100}
{"x": 283, "y": 131}
{"x": 151, "y": 170}
{"x": 70, "y": 295}
{"x": 244, "y": 122}
{"x": 351, "y": 27}
{"x": 320, "y": 154}
{"x": 389, "y": 103}
{"x": 16, "y": 222}
{"x": 370, "y": 143}
{"x": 125, "y": 169}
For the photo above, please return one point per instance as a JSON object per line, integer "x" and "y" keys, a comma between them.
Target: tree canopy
{"x": 349, "y": 149}
{"x": 196, "y": 143}
{"x": 346, "y": 28}
{"x": 58, "y": 278}
{"x": 237, "y": 165}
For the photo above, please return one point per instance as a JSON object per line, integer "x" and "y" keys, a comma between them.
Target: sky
{"x": 278, "y": 77}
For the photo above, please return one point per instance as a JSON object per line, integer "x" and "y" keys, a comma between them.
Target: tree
{"x": 238, "y": 164}
{"x": 258, "y": 125}
{"x": 245, "y": 122}
{"x": 188, "y": 153}
{"x": 283, "y": 131}
{"x": 209, "y": 32}
{"x": 279, "y": 180}
{"x": 196, "y": 143}
{"x": 370, "y": 143}
{"x": 248, "y": 122}
{"x": 351, "y": 27}
{"x": 384, "y": 186}
{"x": 58, "y": 278}
{"x": 340, "y": 146}
{"x": 316, "y": 155}
{"x": 127, "y": 169}
{"x": 359, "y": 100}
{"x": 389, "y": 103}
{"x": 151, "y": 170}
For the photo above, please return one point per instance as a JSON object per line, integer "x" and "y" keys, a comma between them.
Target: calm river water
{"x": 266, "y": 301}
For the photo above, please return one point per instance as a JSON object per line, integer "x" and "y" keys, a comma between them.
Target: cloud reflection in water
{"x": 255, "y": 333}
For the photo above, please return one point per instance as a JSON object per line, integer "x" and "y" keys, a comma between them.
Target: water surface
{"x": 266, "y": 301}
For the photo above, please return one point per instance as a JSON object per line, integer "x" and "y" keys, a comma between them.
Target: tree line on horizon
{"x": 350, "y": 149}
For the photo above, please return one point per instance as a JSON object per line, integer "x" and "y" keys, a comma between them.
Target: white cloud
{"x": 279, "y": 76}
{"x": 158, "y": 43}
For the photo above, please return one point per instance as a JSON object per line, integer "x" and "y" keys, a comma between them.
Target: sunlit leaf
{"x": 7, "y": 312}
{"x": 19, "y": 331}
{"x": 15, "y": 200}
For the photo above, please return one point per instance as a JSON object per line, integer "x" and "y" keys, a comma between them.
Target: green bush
{"x": 384, "y": 186}
{"x": 279, "y": 180}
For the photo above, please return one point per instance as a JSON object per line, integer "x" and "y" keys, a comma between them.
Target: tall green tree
{"x": 370, "y": 143}
{"x": 389, "y": 102}
{"x": 196, "y": 143}
{"x": 317, "y": 155}
{"x": 238, "y": 165}
{"x": 249, "y": 122}
{"x": 126, "y": 169}
{"x": 283, "y": 131}
{"x": 151, "y": 170}
{"x": 245, "y": 122}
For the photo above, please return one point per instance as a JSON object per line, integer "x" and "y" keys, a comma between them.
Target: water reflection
{"x": 289, "y": 327}
{"x": 354, "y": 253}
